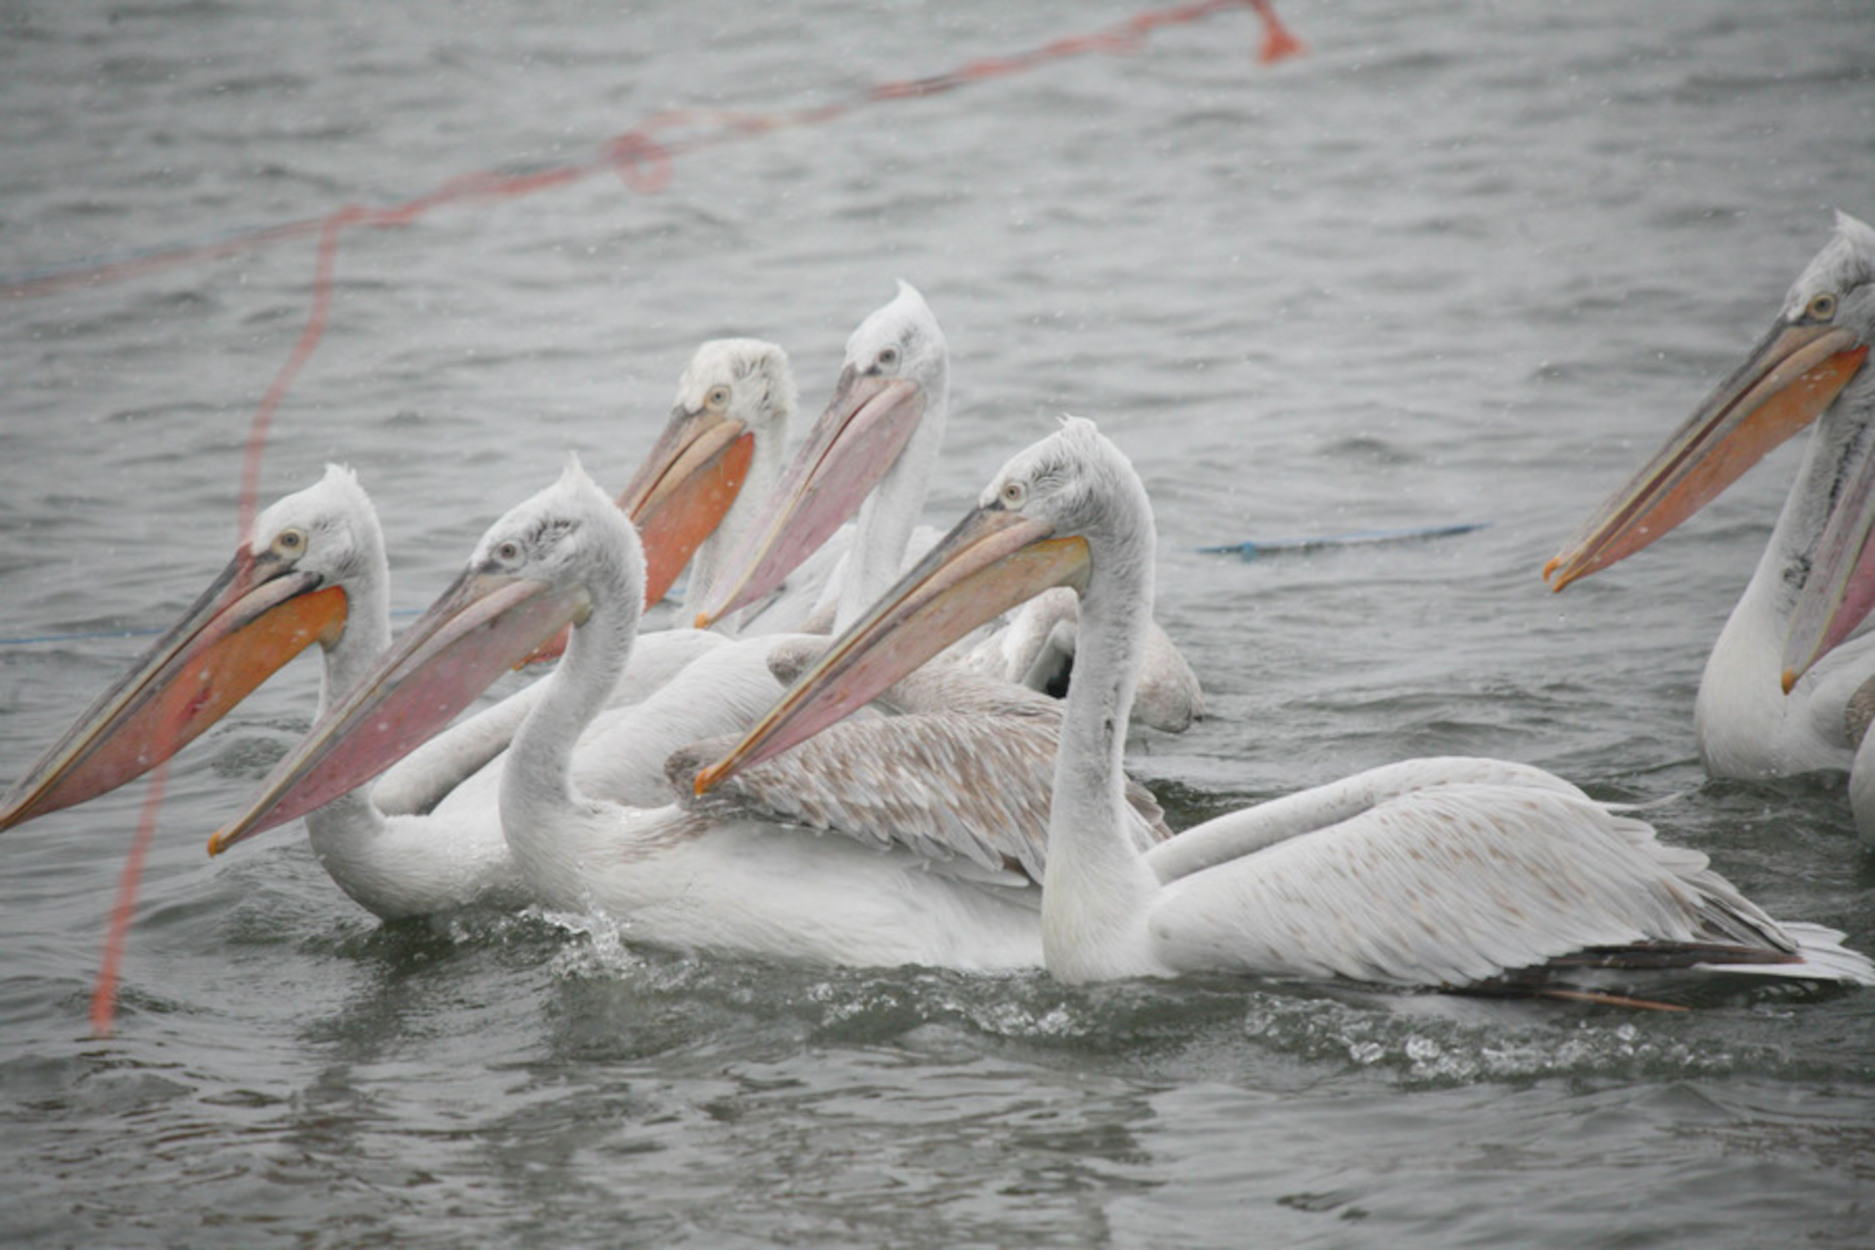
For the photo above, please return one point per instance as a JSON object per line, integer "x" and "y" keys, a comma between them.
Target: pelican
{"x": 735, "y": 400}
{"x": 732, "y": 877}
{"x": 1457, "y": 874}
{"x": 313, "y": 570}
{"x": 698, "y": 490}
{"x": 874, "y": 451}
{"x": 1807, "y": 368}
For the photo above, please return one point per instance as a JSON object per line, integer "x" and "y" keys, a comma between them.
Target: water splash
{"x": 1439, "y": 1041}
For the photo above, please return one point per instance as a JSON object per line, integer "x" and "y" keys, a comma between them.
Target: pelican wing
{"x": 1457, "y": 885}
{"x": 1239, "y": 833}
{"x": 948, "y": 785}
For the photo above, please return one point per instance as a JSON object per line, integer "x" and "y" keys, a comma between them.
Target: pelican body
{"x": 1772, "y": 698}
{"x": 1450, "y": 874}
{"x": 727, "y": 877}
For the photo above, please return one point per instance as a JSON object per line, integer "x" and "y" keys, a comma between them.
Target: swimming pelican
{"x": 313, "y": 570}
{"x": 735, "y": 400}
{"x": 697, "y": 490}
{"x": 1807, "y": 368}
{"x": 874, "y": 451}
{"x": 1451, "y": 874}
{"x": 710, "y": 879}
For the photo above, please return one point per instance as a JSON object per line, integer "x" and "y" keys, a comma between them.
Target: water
{"x": 1462, "y": 263}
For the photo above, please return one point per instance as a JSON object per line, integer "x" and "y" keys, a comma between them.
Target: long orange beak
{"x": 854, "y": 443}
{"x": 684, "y": 488}
{"x": 993, "y": 560}
{"x": 480, "y": 627}
{"x": 1789, "y": 379}
{"x": 258, "y": 614}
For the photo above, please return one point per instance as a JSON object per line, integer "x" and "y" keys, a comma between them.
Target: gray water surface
{"x": 1463, "y": 262}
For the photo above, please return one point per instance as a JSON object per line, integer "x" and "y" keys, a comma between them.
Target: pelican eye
{"x": 717, "y": 398}
{"x": 1821, "y": 307}
{"x": 509, "y": 552}
{"x": 1013, "y": 495}
{"x": 289, "y": 543}
{"x": 886, "y": 359}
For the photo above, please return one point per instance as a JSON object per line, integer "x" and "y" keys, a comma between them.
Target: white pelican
{"x": 1808, "y": 365}
{"x": 313, "y": 569}
{"x": 704, "y": 879}
{"x": 1451, "y": 874}
{"x": 736, "y": 399}
{"x": 873, "y": 452}
{"x": 698, "y": 489}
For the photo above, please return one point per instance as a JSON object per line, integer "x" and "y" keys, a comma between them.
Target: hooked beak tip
{"x": 1559, "y": 575}
{"x": 1789, "y": 679}
{"x": 706, "y": 780}
{"x": 225, "y": 838}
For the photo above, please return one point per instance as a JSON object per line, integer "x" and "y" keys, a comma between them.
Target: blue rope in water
{"x": 1258, "y": 548}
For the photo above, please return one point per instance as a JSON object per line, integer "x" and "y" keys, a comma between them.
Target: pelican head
{"x": 538, "y": 570}
{"x": 896, "y": 370}
{"x": 307, "y": 565}
{"x": 734, "y": 395}
{"x": 1813, "y": 350}
{"x": 1036, "y": 526}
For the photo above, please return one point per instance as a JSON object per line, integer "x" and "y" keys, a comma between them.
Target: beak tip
{"x": 1789, "y": 679}
{"x": 705, "y": 780}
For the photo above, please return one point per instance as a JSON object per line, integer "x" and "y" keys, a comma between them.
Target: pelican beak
{"x": 993, "y": 560}
{"x": 476, "y": 631}
{"x": 856, "y": 441}
{"x": 258, "y": 614}
{"x": 678, "y": 497}
{"x": 1788, "y": 380}
{"x": 1840, "y": 588}
{"x": 684, "y": 489}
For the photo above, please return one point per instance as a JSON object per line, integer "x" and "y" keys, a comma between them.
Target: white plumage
{"x": 1433, "y": 873}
